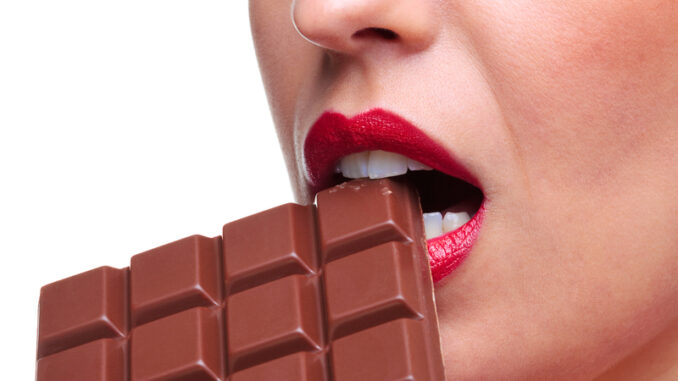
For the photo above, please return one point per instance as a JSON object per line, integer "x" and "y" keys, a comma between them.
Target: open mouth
{"x": 378, "y": 144}
{"x": 447, "y": 202}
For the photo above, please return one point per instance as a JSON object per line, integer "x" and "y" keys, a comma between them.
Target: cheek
{"x": 568, "y": 41}
{"x": 286, "y": 62}
{"x": 613, "y": 59}
{"x": 281, "y": 52}
{"x": 581, "y": 82}
{"x": 620, "y": 37}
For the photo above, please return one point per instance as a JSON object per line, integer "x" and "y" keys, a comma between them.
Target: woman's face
{"x": 566, "y": 115}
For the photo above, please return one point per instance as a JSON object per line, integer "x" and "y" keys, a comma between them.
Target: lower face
{"x": 564, "y": 115}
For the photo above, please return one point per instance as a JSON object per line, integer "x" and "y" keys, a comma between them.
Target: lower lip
{"x": 449, "y": 250}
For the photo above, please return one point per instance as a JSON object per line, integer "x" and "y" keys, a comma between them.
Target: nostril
{"x": 381, "y": 33}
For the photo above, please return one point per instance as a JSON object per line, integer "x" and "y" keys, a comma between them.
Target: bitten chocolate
{"x": 339, "y": 291}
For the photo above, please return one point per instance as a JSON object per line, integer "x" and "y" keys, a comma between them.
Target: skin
{"x": 567, "y": 113}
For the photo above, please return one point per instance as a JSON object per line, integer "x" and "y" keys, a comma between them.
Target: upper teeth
{"x": 377, "y": 165}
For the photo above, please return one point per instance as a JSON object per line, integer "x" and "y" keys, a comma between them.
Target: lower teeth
{"x": 435, "y": 224}
{"x": 453, "y": 221}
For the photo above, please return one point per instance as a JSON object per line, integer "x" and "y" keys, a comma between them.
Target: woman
{"x": 563, "y": 114}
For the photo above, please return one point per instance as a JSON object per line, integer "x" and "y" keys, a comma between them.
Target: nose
{"x": 352, "y": 26}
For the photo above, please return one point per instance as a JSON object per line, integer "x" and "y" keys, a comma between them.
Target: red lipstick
{"x": 334, "y": 136}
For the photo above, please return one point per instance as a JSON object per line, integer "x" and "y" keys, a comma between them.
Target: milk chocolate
{"x": 339, "y": 291}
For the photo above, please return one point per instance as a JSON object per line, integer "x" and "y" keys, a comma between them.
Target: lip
{"x": 334, "y": 136}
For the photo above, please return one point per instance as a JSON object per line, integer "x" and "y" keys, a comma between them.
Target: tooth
{"x": 433, "y": 224}
{"x": 354, "y": 166}
{"x": 414, "y": 165}
{"x": 384, "y": 164}
{"x": 454, "y": 220}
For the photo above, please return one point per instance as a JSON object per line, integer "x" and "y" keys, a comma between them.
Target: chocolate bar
{"x": 341, "y": 291}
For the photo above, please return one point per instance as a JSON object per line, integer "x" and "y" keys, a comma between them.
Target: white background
{"x": 124, "y": 125}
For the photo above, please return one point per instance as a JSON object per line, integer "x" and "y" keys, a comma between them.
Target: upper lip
{"x": 334, "y": 136}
